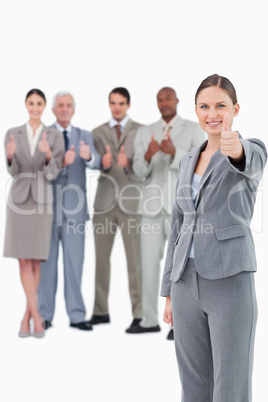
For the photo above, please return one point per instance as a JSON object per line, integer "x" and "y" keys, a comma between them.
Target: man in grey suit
{"x": 158, "y": 150}
{"x": 70, "y": 216}
{"x": 116, "y": 205}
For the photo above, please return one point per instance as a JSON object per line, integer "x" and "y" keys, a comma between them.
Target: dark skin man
{"x": 167, "y": 102}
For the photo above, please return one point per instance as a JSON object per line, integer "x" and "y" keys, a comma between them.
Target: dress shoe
{"x": 84, "y": 326}
{"x": 24, "y": 334}
{"x": 40, "y": 334}
{"x": 99, "y": 319}
{"x": 134, "y": 323}
{"x": 47, "y": 324}
{"x": 138, "y": 329}
{"x": 170, "y": 335}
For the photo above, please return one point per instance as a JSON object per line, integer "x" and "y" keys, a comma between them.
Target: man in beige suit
{"x": 158, "y": 150}
{"x": 116, "y": 205}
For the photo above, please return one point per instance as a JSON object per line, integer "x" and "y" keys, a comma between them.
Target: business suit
{"x": 29, "y": 212}
{"x": 213, "y": 295}
{"x": 70, "y": 215}
{"x": 116, "y": 205}
{"x": 159, "y": 177}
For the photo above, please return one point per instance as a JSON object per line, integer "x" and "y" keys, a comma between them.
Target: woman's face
{"x": 35, "y": 105}
{"x": 211, "y": 105}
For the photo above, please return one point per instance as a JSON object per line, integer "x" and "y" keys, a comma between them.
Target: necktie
{"x": 167, "y": 130}
{"x": 118, "y": 131}
{"x": 66, "y": 139}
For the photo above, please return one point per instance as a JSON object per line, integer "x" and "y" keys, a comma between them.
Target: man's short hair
{"x": 59, "y": 95}
{"x": 121, "y": 91}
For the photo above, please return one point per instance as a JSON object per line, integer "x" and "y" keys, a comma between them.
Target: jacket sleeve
{"x": 255, "y": 160}
{"x": 140, "y": 166}
{"x": 198, "y": 137}
{"x": 95, "y": 162}
{"x": 176, "y": 223}
{"x": 13, "y": 168}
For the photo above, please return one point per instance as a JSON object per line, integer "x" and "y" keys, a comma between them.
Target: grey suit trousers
{"x": 72, "y": 238}
{"x": 214, "y": 330}
{"x": 105, "y": 227}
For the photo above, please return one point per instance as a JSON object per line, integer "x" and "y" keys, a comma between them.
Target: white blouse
{"x": 33, "y": 138}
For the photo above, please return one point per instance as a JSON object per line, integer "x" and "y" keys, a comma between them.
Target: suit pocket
{"x": 230, "y": 232}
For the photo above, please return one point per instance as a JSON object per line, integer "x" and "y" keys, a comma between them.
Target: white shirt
{"x": 33, "y": 137}
{"x": 123, "y": 122}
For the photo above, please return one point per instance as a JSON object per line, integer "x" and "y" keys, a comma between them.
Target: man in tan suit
{"x": 116, "y": 205}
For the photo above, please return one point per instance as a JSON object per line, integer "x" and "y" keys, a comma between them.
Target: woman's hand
{"x": 167, "y": 317}
{"x": 44, "y": 147}
{"x": 230, "y": 143}
{"x": 11, "y": 148}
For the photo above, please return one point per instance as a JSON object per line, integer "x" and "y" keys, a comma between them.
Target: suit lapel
{"x": 75, "y": 138}
{"x": 124, "y": 133}
{"x": 24, "y": 143}
{"x": 37, "y": 152}
{"x": 186, "y": 182}
{"x": 213, "y": 163}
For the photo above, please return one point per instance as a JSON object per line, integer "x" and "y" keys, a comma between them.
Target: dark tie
{"x": 118, "y": 131}
{"x": 66, "y": 139}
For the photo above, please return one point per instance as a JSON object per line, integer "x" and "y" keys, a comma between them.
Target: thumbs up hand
{"x": 230, "y": 144}
{"x": 153, "y": 148}
{"x": 84, "y": 151}
{"x": 107, "y": 158}
{"x": 11, "y": 148}
{"x": 122, "y": 159}
{"x": 44, "y": 147}
{"x": 69, "y": 156}
{"x": 167, "y": 146}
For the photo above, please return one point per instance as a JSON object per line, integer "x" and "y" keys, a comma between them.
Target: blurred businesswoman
{"x": 208, "y": 278}
{"x": 34, "y": 156}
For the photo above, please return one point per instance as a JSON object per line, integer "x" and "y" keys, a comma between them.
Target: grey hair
{"x": 59, "y": 95}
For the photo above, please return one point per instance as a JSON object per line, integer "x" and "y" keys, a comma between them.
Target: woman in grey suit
{"x": 208, "y": 278}
{"x": 34, "y": 157}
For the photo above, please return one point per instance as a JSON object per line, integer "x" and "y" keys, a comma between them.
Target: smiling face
{"x": 211, "y": 105}
{"x": 167, "y": 102}
{"x": 64, "y": 110}
{"x": 35, "y": 105}
{"x": 119, "y": 106}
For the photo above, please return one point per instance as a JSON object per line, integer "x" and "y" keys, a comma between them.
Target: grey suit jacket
{"x": 69, "y": 189}
{"x": 220, "y": 223}
{"x": 31, "y": 174}
{"x": 160, "y": 175}
{"x": 116, "y": 185}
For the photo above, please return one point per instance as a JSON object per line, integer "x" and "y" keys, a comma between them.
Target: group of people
{"x": 158, "y": 181}
{"x": 138, "y": 171}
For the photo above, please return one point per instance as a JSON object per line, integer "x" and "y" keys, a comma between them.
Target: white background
{"x": 88, "y": 48}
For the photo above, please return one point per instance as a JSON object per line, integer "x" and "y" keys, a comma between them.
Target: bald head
{"x": 167, "y": 102}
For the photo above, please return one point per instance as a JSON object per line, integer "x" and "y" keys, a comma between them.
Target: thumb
{"x": 44, "y": 137}
{"x": 152, "y": 137}
{"x": 11, "y": 138}
{"x": 72, "y": 148}
{"x": 108, "y": 149}
{"x": 82, "y": 143}
{"x": 168, "y": 135}
{"x": 122, "y": 149}
{"x": 226, "y": 122}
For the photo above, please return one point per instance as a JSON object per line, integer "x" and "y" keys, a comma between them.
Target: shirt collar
{"x": 60, "y": 128}
{"x": 123, "y": 122}
{"x": 170, "y": 123}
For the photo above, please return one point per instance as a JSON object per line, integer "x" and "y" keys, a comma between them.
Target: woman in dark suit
{"x": 208, "y": 279}
{"x": 34, "y": 155}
